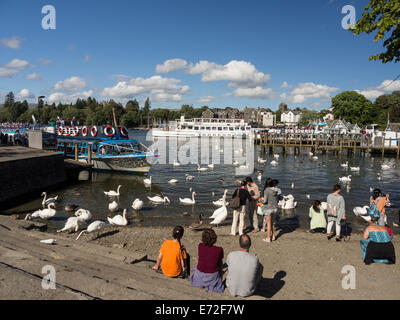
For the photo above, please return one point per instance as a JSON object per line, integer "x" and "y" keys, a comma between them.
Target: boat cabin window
{"x": 214, "y": 128}
{"x": 231, "y": 128}
{"x": 190, "y": 127}
{"x": 196, "y": 128}
{"x": 220, "y": 128}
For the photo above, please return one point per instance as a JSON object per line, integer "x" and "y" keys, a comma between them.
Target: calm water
{"x": 309, "y": 177}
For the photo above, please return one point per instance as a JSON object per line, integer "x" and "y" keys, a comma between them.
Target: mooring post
{"x": 89, "y": 153}
{"x": 76, "y": 152}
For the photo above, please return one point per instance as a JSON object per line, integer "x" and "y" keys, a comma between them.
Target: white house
{"x": 290, "y": 117}
{"x": 328, "y": 116}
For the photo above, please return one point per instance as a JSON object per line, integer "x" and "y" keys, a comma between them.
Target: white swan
{"x": 310, "y": 154}
{"x": 188, "y": 200}
{"x": 235, "y": 163}
{"x": 176, "y": 163}
{"x": 113, "y": 193}
{"x": 221, "y": 202}
{"x": 360, "y": 211}
{"x": 113, "y": 206}
{"x": 147, "y": 181}
{"x": 46, "y": 202}
{"x": 315, "y": 158}
{"x": 158, "y": 199}
{"x": 137, "y": 204}
{"x": 292, "y": 185}
{"x": 173, "y": 181}
{"x": 72, "y": 223}
{"x": 345, "y": 179}
{"x": 211, "y": 165}
{"x": 219, "y": 215}
{"x": 201, "y": 169}
{"x": 44, "y": 213}
{"x": 354, "y": 168}
{"x": 308, "y": 196}
{"x": 260, "y": 160}
{"x": 259, "y": 177}
{"x": 118, "y": 219}
{"x": 94, "y": 226}
{"x": 386, "y": 166}
{"x": 188, "y": 176}
{"x": 276, "y": 156}
{"x": 274, "y": 163}
{"x": 345, "y": 165}
{"x": 324, "y": 206}
{"x": 287, "y": 202}
{"x": 83, "y": 215}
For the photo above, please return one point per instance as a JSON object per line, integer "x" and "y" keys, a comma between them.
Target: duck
{"x": 118, "y": 220}
{"x": 83, "y": 215}
{"x": 71, "y": 207}
{"x": 158, "y": 199}
{"x": 113, "y": 193}
{"x": 94, "y": 226}
{"x": 345, "y": 179}
{"x": 147, "y": 181}
{"x": 173, "y": 181}
{"x": 137, "y": 204}
{"x": 354, "y": 168}
{"x": 197, "y": 224}
{"x": 45, "y": 214}
{"x": 187, "y": 200}
{"x": 113, "y": 206}
{"x": 72, "y": 224}
{"x": 176, "y": 163}
{"x": 201, "y": 169}
{"x": 46, "y": 202}
{"x": 345, "y": 165}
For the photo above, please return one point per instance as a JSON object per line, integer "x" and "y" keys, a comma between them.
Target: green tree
{"x": 384, "y": 16}
{"x": 387, "y": 104}
{"x": 146, "y": 111}
{"x": 353, "y": 107}
{"x": 307, "y": 116}
{"x": 132, "y": 105}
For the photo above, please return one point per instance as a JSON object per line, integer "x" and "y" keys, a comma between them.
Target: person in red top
{"x": 208, "y": 273}
{"x": 381, "y": 202}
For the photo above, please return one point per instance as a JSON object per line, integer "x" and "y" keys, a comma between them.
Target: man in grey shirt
{"x": 244, "y": 270}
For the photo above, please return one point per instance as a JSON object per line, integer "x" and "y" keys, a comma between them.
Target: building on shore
{"x": 290, "y": 117}
{"x": 268, "y": 119}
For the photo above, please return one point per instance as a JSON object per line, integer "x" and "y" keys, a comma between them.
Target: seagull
{"x": 308, "y": 196}
{"x": 113, "y": 193}
{"x": 292, "y": 185}
{"x": 94, "y": 226}
{"x": 118, "y": 219}
{"x": 315, "y": 158}
{"x": 137, "y": 204}
{"x": 371, "y": 189}
{"x": 310, "y": 154}
{"x": 259, "y": 177}
{"x": 276, "y": 156}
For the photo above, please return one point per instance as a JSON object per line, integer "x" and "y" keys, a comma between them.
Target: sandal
{"x": 266, "y": 240}
{"x": 330, "y": 236}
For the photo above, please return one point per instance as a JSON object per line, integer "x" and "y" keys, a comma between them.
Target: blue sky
{"x": 219, "y": 53}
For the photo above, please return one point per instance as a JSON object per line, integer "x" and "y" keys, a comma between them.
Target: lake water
{"x": 315, "y": 178}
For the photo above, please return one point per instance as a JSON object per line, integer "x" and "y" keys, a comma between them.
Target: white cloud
{"x": 308, "y": 90}
{"x": 389, "y": 85}
{"x": 45, "y": 61}
{"x": 206, "y": 99}
{"x": 68, "y": 98}
{"x": 253, "y": 93}
{"x": 171, "y": 65}
{"x": 239, "y": 73}
{"x": 33, "y": 76}
{"x": 13, "y": 42}
{"x": 12, "y": 68}
{"x": 225, "y": 95}
{"x": 385, "y": 87}
{"x": 371, "y": 93}
{"x": 70, "y": 85}
{"x": 284, "y": 85}
{"x": 159, "y": 88}
{"x": 25, "y": 94}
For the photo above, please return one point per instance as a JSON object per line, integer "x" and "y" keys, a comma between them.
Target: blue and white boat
{"x": 110, "y": 148}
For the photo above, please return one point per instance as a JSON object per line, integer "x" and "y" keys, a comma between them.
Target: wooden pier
{"x": 324, "y": 143}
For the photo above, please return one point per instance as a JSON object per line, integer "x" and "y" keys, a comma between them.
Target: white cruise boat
{"x": 203, "y": 127}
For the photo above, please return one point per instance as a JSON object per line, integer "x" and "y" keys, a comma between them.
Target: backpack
{"x": 235, "y": 203}
{"x": 373, "y": 208}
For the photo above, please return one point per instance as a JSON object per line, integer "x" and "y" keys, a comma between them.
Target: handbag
{"x": 261, "y": 210}
{"x": 235, "y": 203}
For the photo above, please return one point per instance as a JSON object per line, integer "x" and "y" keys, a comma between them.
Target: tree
{"x": 383, "y": 15}
{"x": 387, "y": 104}
{"x": 307, "y": 116}
{"x": 10, "y": 98}
{"x": 132, "y": 105}
{"x": 146, "y": 110}
{"x": 352, "y": 107}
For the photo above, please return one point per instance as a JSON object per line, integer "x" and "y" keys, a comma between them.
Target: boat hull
{"x": 128, "y": 165}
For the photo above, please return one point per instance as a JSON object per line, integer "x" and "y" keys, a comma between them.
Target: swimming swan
{"x": 46, "y": 202}
{"x": 137, "y": 204}
{"x": 187, "y": 200}
{"x": 158, "y": 199}
{"x": 113, "y": 193}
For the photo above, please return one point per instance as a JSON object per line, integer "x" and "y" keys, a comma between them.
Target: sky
{"x": 218, "y": 53}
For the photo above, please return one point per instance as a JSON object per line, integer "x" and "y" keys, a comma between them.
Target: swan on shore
{"x": 46, "y": 201}
{"x": 72, "y": 224}
{"x": 158, "y": 199}
{"x": 188, "y": 200}
{"x": 45, "y": 214}
{"x": 118, "y": 219}
{"x": 287, "y": 202}
{"x": 113, "y": 206}
{"x": 220, "y": 214}
{"x": 222, "y": 201}
{"x": 94, "y": 226}
{"x": 113, "y": 193}
{"x": 137, "y": 204}
{"x": 83, "y": 215}
{"x": 360, "y": 211}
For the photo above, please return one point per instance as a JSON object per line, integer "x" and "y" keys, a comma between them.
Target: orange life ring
{"x": 76, "y": 131}
{"x": 93, "y": 131}
{"x": 109, "y": 134}
{"x": 124, "y": 131}
{"x": 60, "y": 131}
{"x": 67, "y": 131}
{"x": 84, "y": 131}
